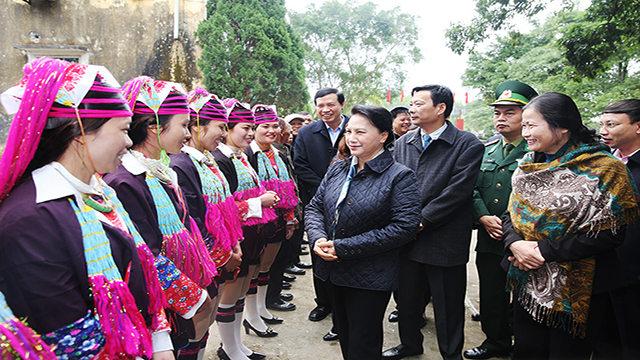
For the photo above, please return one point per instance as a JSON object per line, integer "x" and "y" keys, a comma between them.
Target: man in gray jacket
{"x": 446, "y": 162}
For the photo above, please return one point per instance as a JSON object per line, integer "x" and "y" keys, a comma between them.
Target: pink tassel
{"x": 268, "y": 214}
{"x": 31, "y": 346}
{"x": 157, "y": 300}
{"x": 223, "y": 223}
{"x": 122, "y": 324}
{"x": 190, "y": 255}
{"x": 286, "y": 190}
{"x": 215, "y": 225}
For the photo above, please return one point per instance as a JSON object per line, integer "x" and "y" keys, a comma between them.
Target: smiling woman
{"x": 365, "y": 209}
{"x": 76, "y": 119}
{"x": 562, "y": 253}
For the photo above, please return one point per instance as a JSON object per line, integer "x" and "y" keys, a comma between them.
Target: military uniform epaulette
{"x": 492, "y": 142}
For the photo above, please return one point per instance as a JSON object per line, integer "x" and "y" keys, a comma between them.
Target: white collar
{"x": 136, "y": 167}
{"x": 228, "y": 152}
{"x": 436, "y": 134}
{"x": 53, "y": 181}
{"x": 195, "y": 153}
{"x": 256, "y": 148}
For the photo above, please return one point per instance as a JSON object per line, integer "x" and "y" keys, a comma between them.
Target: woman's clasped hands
{"x": 324, "y": 248}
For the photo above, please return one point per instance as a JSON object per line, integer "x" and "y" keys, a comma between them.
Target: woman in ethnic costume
{"x": 206, "y": 190}
{"x": 150, "y": 193}
{"x": 272, "y": 171}
{"x": 570, "y": 203}
{"x": 255, "y": 206}
{"x": 72, "y": 263}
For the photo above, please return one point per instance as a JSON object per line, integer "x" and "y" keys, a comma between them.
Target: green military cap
{"x": 513, "y": 93}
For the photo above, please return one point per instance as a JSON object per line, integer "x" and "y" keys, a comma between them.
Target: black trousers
{"x": 293, "y": 256}
{"x": 276, "y": 273}
{"x": 447, "y": 286}
{"x": 495, "y": 302}
{"x": 538, "y": 341}
{"x": 619, "y": 336}
{"x": 358, "y": 316}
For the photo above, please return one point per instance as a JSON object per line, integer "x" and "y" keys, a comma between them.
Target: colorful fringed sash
{"x": 114, "y": 304}
{"x": 583, "y": 191}
{"x": 157, "y": 300}
{"x": 186, "y": 249}
{"x": 222, "y": 219}
{"x": 276, "y": 178}
{"x": 17, "y": 340}
{"x": 249, "y": 187}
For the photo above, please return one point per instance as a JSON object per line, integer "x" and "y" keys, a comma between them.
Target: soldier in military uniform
{"x": 490, "y": 199}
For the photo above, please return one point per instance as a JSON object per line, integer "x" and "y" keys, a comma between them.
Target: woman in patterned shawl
{"x": 569, "y": 206}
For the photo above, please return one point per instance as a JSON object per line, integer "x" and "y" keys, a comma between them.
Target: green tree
{"x": 537, "y": 59}
{"x": 357, "y": 49}
{"x": 249, "y": 52}
{"x": 608, "y": 39}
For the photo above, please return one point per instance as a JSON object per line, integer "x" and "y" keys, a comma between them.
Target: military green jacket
{"x": 493, "y": 188}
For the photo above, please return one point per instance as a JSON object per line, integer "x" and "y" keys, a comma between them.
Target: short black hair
{"x": 326, "y": 91}
{"x": 304, "y": 113}
{"x": 379, "y": 117}
{"x": 439, "y": 95}
{"x": 561, "y": 112}
{"x": 631, "y": 107}
{"x": 399, "y": 110}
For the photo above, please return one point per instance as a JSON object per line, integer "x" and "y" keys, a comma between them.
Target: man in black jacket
{"x": 620, "y": 129}
{"x": 446, "y": 162}
{"x": 314, "y": 148}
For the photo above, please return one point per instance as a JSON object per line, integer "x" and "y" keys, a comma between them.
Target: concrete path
{"x": 301, "y": 339}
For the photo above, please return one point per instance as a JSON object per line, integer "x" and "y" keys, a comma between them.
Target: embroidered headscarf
{"x": 582, "y": 190}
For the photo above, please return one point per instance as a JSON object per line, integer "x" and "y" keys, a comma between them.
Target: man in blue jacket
{"x": 314, "y": 148}
{"x": 446, "y": 162}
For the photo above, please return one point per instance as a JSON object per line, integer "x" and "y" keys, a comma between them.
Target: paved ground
{"x": 301, "y": 339}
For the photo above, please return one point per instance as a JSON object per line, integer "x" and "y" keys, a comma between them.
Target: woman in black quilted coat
{"x": 366, "y": 208}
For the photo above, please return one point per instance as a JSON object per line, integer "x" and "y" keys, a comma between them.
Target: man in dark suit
{"x": 620, "y": 129}
{"x": 314, "y": 148}
{"x": 490, "y": 199}
{"x": 446, "y": 161}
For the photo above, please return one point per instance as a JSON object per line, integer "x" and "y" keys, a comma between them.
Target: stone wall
{"x": 129, "y": 37}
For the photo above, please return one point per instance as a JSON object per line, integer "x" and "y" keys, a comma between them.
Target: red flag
{"x": 402, "y": 96}
{"x": 466, "y": 97}
{"x": 389, "y": 95}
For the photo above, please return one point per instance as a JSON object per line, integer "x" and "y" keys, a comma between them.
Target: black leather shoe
{"x": 330, "y": 336}
{"x": 286, "y": 285}
{"x": 304, "y": 250}
{"x": 399, "y": 352}
{"x": 288, "y": 278}
{"x": 268, "y": 333}
{"x": 476, "y": 317}
{"x": 304, "y": 241}
{"x": 254, "y": 355}
{"x": 480, "y": 352}
{"x": 286, "y": 297}
{"x": 319, "y": 313}
{"x": 281, "y": 306}
{"x": 272, "y": 321}
{"x": 304, "y": 265}
{"x": 393, "y": 317}
{"x": 294, "y": 270}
